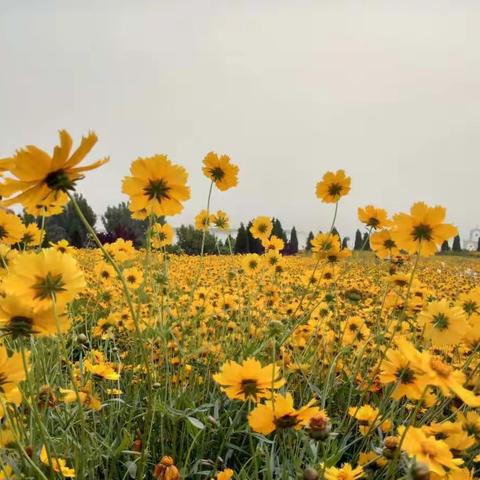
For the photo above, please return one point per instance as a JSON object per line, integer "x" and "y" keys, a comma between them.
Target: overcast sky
{"x": 388, "y": 91}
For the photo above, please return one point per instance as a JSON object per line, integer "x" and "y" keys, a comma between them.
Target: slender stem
{"x": 208, "y": 214}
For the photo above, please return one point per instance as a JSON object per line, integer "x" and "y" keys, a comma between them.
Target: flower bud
{"x": 310, "y": 474}
{"x": 166, "y": 470}
{"x": 420, "y": 471}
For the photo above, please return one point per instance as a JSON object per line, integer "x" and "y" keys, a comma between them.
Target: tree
{"x": 445, "y": 246}
{"x": 456, "y": 247}
{"x": 345, "y": 242}
{"x": 67, "y": 225}
{"x": 278, "y": 230}
{"x": 358, "y": 240}
{"x": 292, "y": 245}
{"x": 189, "y": 240}
{"x": 118, "y": 223}
{"x": 478, "y": 247}
{"x": 241, "y": 242}
{"x": 308, "y": 245}
{"x": 366, "y": 241}
{"x": 254, "y": 244}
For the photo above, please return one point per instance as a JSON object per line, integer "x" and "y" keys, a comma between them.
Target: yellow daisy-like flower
{"x": 11, "y": 374}
{"x": 273, "y": 243}
{"x": 32, "y": 235}
{"x": 248, "y": 380}
{"x": 347, "y": 472}
{"x": 226, "y": 474}
{"x": 203, "y": 220}
{"x": 261, "y": 227}
{"x": 433, "y": 453}
{"x": 134, "y": 277}
{"x": 11, "y": 228}
{"x": 422, "y": 230}
{"x": 18, "y": 318}
{"x": 41, "y": 278}
{"x": 156, "y": 186}
{"x": 279, "y": 413}
{"x": 63, "y": 246}
{"x": 251, "y": 263}
{"x": 444, "y": 325}
{"x": 373, "y": 217}
{"x": 162, "y": 235}
{"x": 220, "y": 170}
{"x": 59, "y": 465}
{"x": 333, "y": 186}
{"x": 41, "y": 179}
{"x": 221, "y": 220}
{"x": 383, "y": 244}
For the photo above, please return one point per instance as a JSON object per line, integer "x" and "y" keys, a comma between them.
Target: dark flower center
{"x": 389, "y": 243}
{"x": 335, "y": 189}
{"x": 440, "y": 321}
{"x": 287, "y": 421}
{"x": 49, "y": 286}
{"x": 217, "y": 174}
{"x": 3, "y": 232}
{"x": 59, "y": 180}
{"x": 157, "y": 190}
{"x": 249, "y": 387}
{"x": 405, "y": 375}
{"x": 373, "y": 222}
{"x": 422, "y": 232}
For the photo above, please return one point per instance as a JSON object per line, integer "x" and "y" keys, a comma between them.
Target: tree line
{"x": 118, "y": 223}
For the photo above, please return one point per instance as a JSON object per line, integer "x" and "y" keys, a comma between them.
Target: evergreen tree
{"x": 366, "y": 242}
{"x": 358, "y": 240}
{"x": 292, "y": 246}
{"x": 478, "y": 247}
{"x": 254, "y": 245}
{"x": 278, "y": 230}
{"x": 241, "y": 242}
{"x": 308, "y": 245}
{"x": 345, "y": 242}
{"x": 456, "y": 247}
{"x": 67, "y": 225}
{"x": 445, "y": 246}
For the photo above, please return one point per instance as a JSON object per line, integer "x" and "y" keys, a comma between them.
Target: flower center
{"x": 405, "y": 375}
{"x": 249, "y": 387}
{"x": 440, "y": 368}
{"x": 440, "y": 321}
{"x": 287, "y": 421}
{"x": 335, "y": 189}
{"x": 422, "y": 232}
{"x": 49, "y": 286}
{"x": 3, "y": 232}
{"x": 373, "y": 222}
{"x": 217, "y": 174}
{"x": 59, "y": 180}
{"x": 157, "y": 190}
{"x": 389, "y": 243}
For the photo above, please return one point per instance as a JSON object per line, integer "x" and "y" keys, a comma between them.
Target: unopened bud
{"x": 310, "y": 474}
{"x": 420, "y": 471}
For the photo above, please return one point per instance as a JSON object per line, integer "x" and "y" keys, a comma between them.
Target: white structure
{"x": 472, "y": 243}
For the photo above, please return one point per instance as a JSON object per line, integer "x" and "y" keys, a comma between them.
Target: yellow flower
{"x": 6, "y": 473}
{"x": 156, "y": 187}
{"x": 251, "y": 263}
{"x": 261, "y": 227}
{"x": 162, "y": 235}
{"x": 59, "y": 465}
{"x": 425, "y": 449}
{"x": 42, "y": 179}
{"x": 248, "y": 380}
{"x": 203, "y": 220}
{"x": 41, "y": 278}
{"x": 11, "y": 228}
{"x": 273, "y": 243}
{"x": 443, "y": 325}
{"x": 31, "y": 236}
{"x": 220, "y": 171}
{"x": 347, "y": 472}
{"x": 85, "y": 394}
{"x": 280, "y": 413}
{"x": 12, "y": 373}
{"x": 133, "y": 276}
{"x": 63, "y": 247}
{"x": 333, "y": 186}
{"x": 325, "y": 245}
{"x": 18, "y": 318}
{"x": 102, "y": 370}
{"x": 221, "y": 220}
{"x": 383, "y": 244}
{"x": 373, "y": 217}
{"x": 422, "y": 230}
{"x": 367, "y": 417}
{"x": 226, "y": 474}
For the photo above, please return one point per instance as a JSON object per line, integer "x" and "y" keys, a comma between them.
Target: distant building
{"x": 472, "y": 243}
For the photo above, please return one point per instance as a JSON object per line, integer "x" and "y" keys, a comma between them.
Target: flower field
{"x": 118, "y": 362}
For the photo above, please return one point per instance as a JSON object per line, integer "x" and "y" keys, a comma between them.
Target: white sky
{"x": 389, "y": 91}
